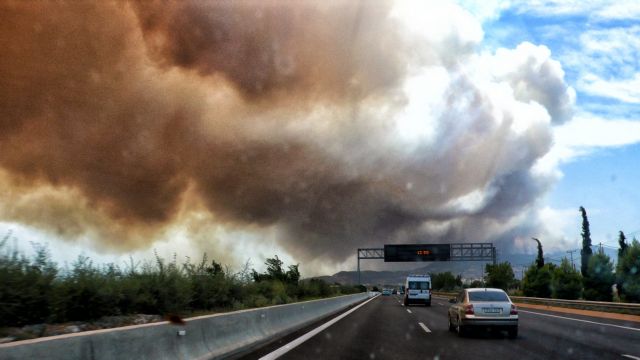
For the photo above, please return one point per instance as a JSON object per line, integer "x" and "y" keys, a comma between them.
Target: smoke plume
{"x": 337, "y": 124}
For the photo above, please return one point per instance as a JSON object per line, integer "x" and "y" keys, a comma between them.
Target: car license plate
{"x": 492, "y": 310}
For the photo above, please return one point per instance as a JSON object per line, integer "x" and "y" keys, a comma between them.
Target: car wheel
{"x": 451, "y": 327}
{"x": 513, "y": 332}
{"x": 460, "y": 329}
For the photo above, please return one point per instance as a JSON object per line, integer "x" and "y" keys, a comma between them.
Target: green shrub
{"x": 25, "y": 286}
{"x": 566, "y": 282}
{"x": 446, "y": 281}
{"x": 599, "y": 278}
{"x": 537, "y": 281}
{"x": 499, "y": 276}
{"x": 35, "y": 290}
{"x": 628, "y": 273}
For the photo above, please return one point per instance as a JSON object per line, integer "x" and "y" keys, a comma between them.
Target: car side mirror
{"x": 453, "y": 301}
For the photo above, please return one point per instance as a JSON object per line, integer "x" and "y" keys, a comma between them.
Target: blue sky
{"x": 598, "y": 45}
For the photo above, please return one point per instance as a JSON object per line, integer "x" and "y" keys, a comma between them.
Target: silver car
{"x": 483, "y": 307}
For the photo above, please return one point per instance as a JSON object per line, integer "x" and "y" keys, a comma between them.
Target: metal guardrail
{"x": 604, "y": 306}
{"x": 614, "y": 307}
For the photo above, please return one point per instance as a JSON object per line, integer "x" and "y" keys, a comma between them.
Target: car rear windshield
{"x": 487, "y": 296}
{"x": 418, "y": 285}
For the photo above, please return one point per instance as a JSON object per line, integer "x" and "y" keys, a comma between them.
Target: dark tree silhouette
{"x": 586, "y": 251}
{"x": 540, "y": 258}
{"x": 623, "y": 245}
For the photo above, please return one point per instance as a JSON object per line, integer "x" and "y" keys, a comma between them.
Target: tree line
{"x": 36, "y": 290}
{"x": 596, "y": 280}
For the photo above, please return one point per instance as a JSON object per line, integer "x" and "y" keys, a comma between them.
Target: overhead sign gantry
{"x": 429, "y": 252}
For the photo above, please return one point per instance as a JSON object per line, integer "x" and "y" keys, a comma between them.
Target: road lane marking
{"x": 631, "y": 357}
{"x": 424, "y": 327}
{"x": 581, "y": 320}
{"x": 292, "y": 345}
{"x": 409, "y": 311}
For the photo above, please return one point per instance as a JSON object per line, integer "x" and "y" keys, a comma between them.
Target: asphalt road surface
{"x": 384, "y": 329}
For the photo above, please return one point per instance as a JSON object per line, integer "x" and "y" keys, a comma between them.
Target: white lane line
{"x": 440, "y": 304}
{"x": 581, "y": 320}
{"x": 409, "y": 311}
{"x": 292, "y": 345}
{"x": 631, "y": 356}
{"x": 424, "y": 327}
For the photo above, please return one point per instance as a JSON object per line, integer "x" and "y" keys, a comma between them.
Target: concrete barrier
{"x": 204, "y": 337}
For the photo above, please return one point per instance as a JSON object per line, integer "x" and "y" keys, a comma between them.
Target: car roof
{"x": 484, "y": 289}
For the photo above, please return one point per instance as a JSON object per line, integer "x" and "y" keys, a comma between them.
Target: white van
{"x": 417, "y": 290}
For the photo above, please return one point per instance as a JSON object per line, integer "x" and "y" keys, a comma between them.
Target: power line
{"x": 633, "y": 232}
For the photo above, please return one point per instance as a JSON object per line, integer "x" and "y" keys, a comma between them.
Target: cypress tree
{"x": 623, "y": 245}
{"x": 540, "y": 258}
{"x": 586, "y": 252}
{"x": 620, "y": 275}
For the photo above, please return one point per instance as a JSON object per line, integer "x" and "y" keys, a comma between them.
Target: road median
{"x": 204, "y": 337}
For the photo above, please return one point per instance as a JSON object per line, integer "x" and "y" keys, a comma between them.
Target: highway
{"x": 384, "y": 329}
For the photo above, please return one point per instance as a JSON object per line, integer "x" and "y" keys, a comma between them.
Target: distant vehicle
{"x": 386, "y": 292}
{"x": 418, "y": 290}
{"x": 483, "y": 307}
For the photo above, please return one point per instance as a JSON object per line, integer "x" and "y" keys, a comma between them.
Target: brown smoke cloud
{"x": 273, "y": 113}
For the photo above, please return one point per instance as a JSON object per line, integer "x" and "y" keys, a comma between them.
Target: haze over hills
{"x": 470, "y": 270}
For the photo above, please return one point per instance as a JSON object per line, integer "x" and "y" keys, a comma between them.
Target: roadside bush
{"x": 537, "y": 281}
{"x": 446, "y": 281}
{"x": 599, "y": 278}
{"x": 566, "y": 282}
{"x": 25, "y": 285}
{"x": 628, "y": 273}
{"x": 33, "y": 290}
{"x": 499, "y": 276}
{"x": 86, "y": 292}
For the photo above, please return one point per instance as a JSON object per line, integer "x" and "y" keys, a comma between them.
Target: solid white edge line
{"x": 424, "y": 327}
{"x": 409, "y": 311}
{"x": 293, "y": 344}
{"x": 631, "y": 356}
{"x": 581, "y": 320}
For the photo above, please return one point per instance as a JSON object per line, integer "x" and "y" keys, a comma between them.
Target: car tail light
{"x": 514, "y": 310}
{"x": 468, "y": 310}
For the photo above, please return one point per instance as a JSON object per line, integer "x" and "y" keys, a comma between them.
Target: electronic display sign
{"x": 417, "y": 252}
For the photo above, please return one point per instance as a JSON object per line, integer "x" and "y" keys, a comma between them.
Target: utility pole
{"x": 601, "y": 251}
{"x": 571, "y": 254}
{"x": 359, "y": 281}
